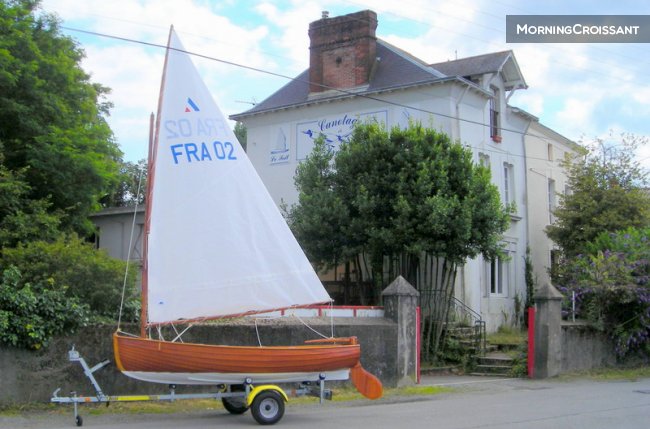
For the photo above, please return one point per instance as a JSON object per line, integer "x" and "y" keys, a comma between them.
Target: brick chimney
{"x": 342, "y": 50}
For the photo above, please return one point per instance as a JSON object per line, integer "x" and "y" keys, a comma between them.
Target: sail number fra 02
{"x": 196, "y": 152}
{"x": 205, "y": 152}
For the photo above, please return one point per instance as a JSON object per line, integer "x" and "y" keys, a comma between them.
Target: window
{"x": 500, "y": 274}
{"x": 484, "y": 159}
{"x": 551, "y": 200}
{"x": 555, "y": 263}
{"x": 508, "y": 184}
{"x": 495, "y": 120}
{"x": 549, "y": 149}
{"x": 555, "y": 260}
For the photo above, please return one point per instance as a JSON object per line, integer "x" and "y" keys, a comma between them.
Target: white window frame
{"x": 484, "y": 160}
{"x": 508, "y": 183}
{"x": 552, "y": 195}
{"x": 495, "y": 115}
{"x": 500, "y": 275}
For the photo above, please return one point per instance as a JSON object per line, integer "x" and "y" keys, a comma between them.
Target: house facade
{"x": 119, "y": 233}
{"x": 354, "y": 77}
{"x": 546, "y": 180}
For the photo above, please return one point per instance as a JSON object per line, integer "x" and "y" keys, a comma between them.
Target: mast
{"x": 154, "y": 133}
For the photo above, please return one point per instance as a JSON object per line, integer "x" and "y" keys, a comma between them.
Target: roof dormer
{"x": 475, "y": 68}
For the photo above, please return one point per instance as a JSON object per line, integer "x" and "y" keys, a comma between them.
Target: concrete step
{"x": 490, "y": 348}
{"x": 488, "y": 374}
{"x": 497, "y": 359}
{"x": 461, "y": 334}
{"x": 494, "y": 369}
{"x": 505, "y": 346}
{"x": 496, "y": 363}
{"x": 440, "y": 370}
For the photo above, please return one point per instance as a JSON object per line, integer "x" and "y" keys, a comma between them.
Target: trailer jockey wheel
{"x": 268, "y": 407}
{"x": 79, "y": 421}
{"x": 235, "y": 405}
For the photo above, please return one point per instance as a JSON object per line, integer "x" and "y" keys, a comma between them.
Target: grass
{"x": 507, "y": 336}
{"x": 195, "y": 405}
{"x": 609, "y": 374}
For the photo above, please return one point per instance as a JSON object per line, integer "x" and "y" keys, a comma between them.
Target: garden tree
{"x": 131, "y": 185}
{"x": 606, "y": 195}
{"x": 21, "y": 218}
{"x": 58, "y": 160}
{"x": 241, "y": 133}
{"x": 53, "y": 130}
{"x": 407, "y": 202}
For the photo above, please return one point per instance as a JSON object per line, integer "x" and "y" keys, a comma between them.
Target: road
{"x": 475, "y": 403}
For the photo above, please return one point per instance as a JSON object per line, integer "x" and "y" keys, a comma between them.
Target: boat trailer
{"x": 266, "y": 402}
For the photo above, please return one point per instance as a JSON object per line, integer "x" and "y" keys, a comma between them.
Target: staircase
{"x": 464, "y": 337}
{"x": 499, "y": 359}
{"x": 494, "y": 363}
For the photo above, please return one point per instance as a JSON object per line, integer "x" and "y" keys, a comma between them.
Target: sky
{"x": 582, "y": 91}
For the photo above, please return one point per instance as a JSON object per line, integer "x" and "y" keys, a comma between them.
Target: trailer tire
{"x": 268, "y": 407}
{"x": 79, "y": 421}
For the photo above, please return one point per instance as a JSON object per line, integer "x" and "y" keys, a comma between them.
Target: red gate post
{"x": 418, "y": 342}
{"x": 531, "y": 341}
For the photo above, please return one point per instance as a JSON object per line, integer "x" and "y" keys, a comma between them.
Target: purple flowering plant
{"x": 611, "y": 282}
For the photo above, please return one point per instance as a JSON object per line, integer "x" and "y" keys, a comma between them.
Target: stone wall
{"x": 32, "y": 376}
{"x": 563, "y": 346}
{"x": 584, "y": 348}
{"x": 387, "y": 350}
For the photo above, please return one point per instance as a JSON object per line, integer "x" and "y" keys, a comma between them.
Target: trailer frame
{"x": 266, "y": 401}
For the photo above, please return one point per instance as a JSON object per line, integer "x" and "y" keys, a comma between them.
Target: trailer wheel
{"x": 235, "y": 405}
{"x": 268, "y": 407}
{"x": 79, "y": 421}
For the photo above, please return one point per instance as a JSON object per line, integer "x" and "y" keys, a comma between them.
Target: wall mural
{"x": 335, "y": 129}
{"x": 279, "y": 150}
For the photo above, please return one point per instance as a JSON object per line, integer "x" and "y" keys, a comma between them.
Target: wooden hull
{"x": 187, "y": 363}
{"x": 135, "y": 354}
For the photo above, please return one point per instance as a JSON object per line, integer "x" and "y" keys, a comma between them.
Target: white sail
{"x": 217, "y": 243}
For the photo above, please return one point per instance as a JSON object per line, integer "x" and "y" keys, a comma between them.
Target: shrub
{"x": 84, "y": 273}
{"x": 30, "y": 314}
{"x": 612, "y": 288}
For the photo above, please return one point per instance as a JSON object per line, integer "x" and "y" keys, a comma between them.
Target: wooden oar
{"x": 366, "y": 383}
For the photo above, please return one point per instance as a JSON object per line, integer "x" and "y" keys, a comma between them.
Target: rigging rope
{"x": 128, "y": 255}
{"x": 312, "y": 329}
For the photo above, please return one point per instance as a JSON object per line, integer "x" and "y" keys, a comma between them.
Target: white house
{"x": 354, "y": 76}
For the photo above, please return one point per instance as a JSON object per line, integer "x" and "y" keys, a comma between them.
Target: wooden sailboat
{"x": 217, "y": 246}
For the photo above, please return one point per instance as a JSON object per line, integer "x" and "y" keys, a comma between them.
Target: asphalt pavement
{"x": 475, "y": 402}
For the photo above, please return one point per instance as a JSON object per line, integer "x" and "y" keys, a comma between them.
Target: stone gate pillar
{"x": 548, "y": 332}
{"x": 400, "y": 304}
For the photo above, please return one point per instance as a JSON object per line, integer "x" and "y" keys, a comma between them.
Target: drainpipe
{"x": 523, "y": 142}
{"x": 458, "y": 111}
{"x": 488, "y": 87}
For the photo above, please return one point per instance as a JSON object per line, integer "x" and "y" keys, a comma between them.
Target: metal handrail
{"x": 475, "y": 320}
{"x": 457, "y": 310}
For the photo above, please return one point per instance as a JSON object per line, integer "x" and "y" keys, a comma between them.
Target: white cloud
{"x": 577, "y": 113}
{"x": 574, "y": 88}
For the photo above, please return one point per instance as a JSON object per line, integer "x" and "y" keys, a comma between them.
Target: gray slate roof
{"x": 396, "y": 69}
{"x": 480, "y": 64}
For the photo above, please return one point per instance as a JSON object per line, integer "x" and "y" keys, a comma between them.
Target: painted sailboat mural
{"x": 217, "y": 246}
